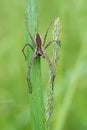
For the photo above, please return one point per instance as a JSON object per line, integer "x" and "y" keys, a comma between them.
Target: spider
{"x": 39, "y": 50}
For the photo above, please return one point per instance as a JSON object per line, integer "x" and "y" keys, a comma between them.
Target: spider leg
{"x": 58, "y": 43}
{"x": 29, "y": 32}
{"x": 47, "y": 32}
{"x": 25, "y": 47}
{"x": 28, "y": 73}
{"x": 51, "y": 69}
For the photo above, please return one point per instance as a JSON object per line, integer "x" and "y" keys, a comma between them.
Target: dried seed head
{"x": 56, "y": 30}
{"x": 56, "y": 36}
{"x": 55, "y": 58}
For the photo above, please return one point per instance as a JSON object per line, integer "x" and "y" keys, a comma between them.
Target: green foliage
{"x": 70, "y": 108}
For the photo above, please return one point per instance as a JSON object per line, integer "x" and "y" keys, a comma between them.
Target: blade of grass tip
{"x": 36, "y": 97}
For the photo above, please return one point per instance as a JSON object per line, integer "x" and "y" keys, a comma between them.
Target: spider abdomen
{"x": 38, "y": 40}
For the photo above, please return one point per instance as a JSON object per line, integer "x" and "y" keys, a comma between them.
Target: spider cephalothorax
{"x": 39, "y": 50}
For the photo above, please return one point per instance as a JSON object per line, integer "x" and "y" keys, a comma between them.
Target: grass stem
{"x": 36, "y": 98}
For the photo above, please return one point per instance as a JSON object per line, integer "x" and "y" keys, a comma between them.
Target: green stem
{"x": 36, "y": 98}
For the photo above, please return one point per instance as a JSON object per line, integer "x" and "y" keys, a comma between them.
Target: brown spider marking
{"x": 39, "y": 50}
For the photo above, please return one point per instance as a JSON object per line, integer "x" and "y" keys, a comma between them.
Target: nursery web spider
{"x": 39, "y": 50}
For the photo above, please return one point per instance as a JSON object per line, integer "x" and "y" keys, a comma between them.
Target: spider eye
{"x": 38, "y": 39}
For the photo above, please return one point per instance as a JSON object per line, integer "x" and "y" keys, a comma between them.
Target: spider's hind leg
{"x": 28, "y": 74}
{"x": 51, "y": 69}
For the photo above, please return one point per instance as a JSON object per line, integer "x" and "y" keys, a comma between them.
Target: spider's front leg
{"x": 51, "y": 69}
{"x": 53, "y": 41}
{"x": 28, "y": 73}
{"x": 26, "y": 23}
{"x": 25, "y": 47}
{"x": 47, "y": 32}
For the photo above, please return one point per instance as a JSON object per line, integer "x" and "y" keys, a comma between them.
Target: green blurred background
{"x": 70, "y": 108}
